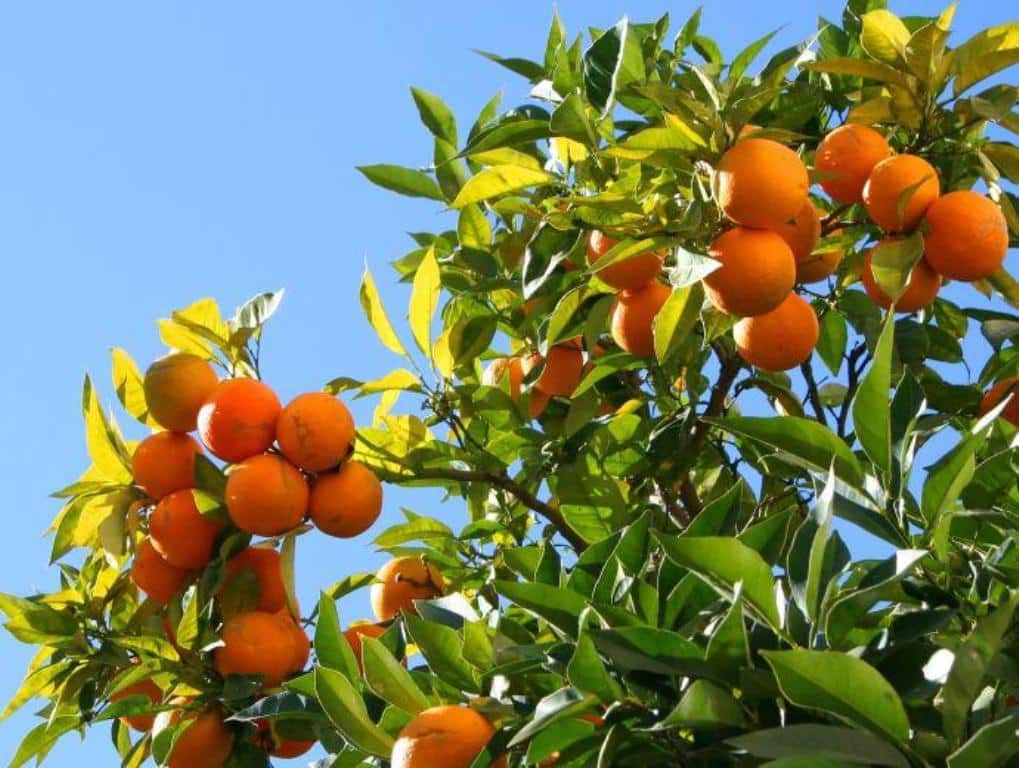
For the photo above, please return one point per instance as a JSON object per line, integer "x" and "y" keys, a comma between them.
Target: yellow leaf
{"x": 386, "y": 404}
{"x": 473, "y": 228}
{"x": 884, "y": 36}
{"x": 442, "y": 354}
{"x": 644, "y": 144}
{"x": 371, "y": 303}
{"x": 506, "y": 156}
{"x": 424, "y": 299}
{"x": 103, "y": 442}
{"x": 987, "y": 52}
{"x": 127, "y": 380}
{"x": 567, "y": 151}
{"x": 399, "y": 380}
{"x": 204, "y": 316}
{"x": 181, "y": 339}
{"x": 498, "y": 180}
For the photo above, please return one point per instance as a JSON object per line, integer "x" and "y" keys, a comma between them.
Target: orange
{"x": 300, "y": 643}
{"x": 448, "y": 736}
{"x": 778, "y": 340}
{"x": 758, "y": 271}
{"x": 564, "y": 366}
{"x": 631, "y": 273}
{"x": 355, "y": 632}
{"x": 802, "y": 231}
{"x": 164, "y": 463}
{"x": 400, "y": 582}
{"x": 257, "y": 643}
{"x": 921, "y": 289}
{"x": 995, "y": 394}
{"x": 205, "y": 743}
{"x": 888, "y": 184}
{"x": 238, "y": 419}
{"x": 182, "y": 534}
{"x": 264, "y": 565}
{"x": 145, "y": 688}
{"x": 849, "y": 154}
{"x": 512, "y": 367}
{"x": 266, "y": 495}
{"x": 345, "y": 503}
{"x": 634, "y": 315}
{"x": 760, "y": 183}
{"x": 277, "y": 745}
{"x": 156, "y": 577}
{"x": 315, "y": 431}
{"x": 175, "y": 388}
{"x": 967, "y": 237}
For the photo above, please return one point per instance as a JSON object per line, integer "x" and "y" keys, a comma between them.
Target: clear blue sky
{"x": 155, "y": 153}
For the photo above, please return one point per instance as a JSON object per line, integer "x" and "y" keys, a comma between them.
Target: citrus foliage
{"x": 646, "y": 576}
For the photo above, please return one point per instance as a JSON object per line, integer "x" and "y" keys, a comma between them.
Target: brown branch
{"x": 812, "y": 394}
{"x": 522, "y": 494}
{"x": 831, "y": 222}
{"x": 854, "y": 381}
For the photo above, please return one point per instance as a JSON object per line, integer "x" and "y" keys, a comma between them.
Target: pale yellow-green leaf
{"x": 39, "y": 681}
{"x": 926, "y": 47}
{"x": 884, "y": 35}
{"x": 182, "y": 339}
{"x": 567, "y": 151}
{"x": 506, "y": 156}
{"x": 101, "y": 439}
{"x": 424, "y": 299}
{"x": 1006, "y": 285}
{"x": 987, "y": 52}
{"x": 386, "y": 404}
{"x": 661, "y": 138}
{"x": 872, "y": 111}
{"x": 204, "y": 314}
{"x": 871, "y": 70}
{"x": 1005, "y": 157}
{"x": 677, "y": 123}
{"x": 111, "y": 532}
{"x": 498, "y": 180}
{"x": 127, "y": 380}
{"x": 442, "y": 353}
{"x": 401, "y": 379}
{"x": 473, "y": 228}
{"x": 371, "y": 303}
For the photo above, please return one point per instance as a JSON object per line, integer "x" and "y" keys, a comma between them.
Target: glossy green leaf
{"x": 389, "y": 679}
{"x": 346, "y": 709}
{"x": 871, "y": 419}
{"x": 498, "y": 180}
{"x": 404, "y": 181}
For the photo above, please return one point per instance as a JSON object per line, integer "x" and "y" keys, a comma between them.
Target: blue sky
{"x": 155, "y": 153}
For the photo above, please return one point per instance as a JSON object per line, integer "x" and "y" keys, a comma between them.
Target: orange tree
{"x": 645, "y": 576}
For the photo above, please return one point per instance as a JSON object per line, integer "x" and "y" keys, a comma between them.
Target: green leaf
{"x": 332, "y": 650}
{"x": 871, "y": 70}
{"x": 650, "y": 650}
{"x": 404, "y": 181}
{"x": 813, "y": 444}
{"x": 870, "y": 405}
{"x": 435, "y": 115}
{"x": 813, "y": 554}
{"x": 676, "y": 320}
{"x": 745, "y": 58}
{"x": 442, "y": 648}
{"x": 728, "y": 648}
{"x": 723, "y": 562}
{"x": 498, "y": 180}
{"x": 346, "y": 709}
{"x": 424, "y": 300}
{"x": 629, "y": 249}
{"x": 566, "y": 702}
{"x": 389, "y": 679}
{"x": 705, "y": 705}
{"x": 971, "y": 666}
{"x": 559, "y": 607}
{"x": 371, "y": 303}
{"x": 833, "y": 742}
{"x": 473, "y": 229}
{"x": 893, "y": 261}
{"x": 818, "y": 680}
{"x": 993, "y": 744}
{"x": 884, "y": 36}
{"x": 646, "y": 143}
{"x": 571, "y": 121}
{"x": 831, "y": 343}
{"x": 532, "y": 70}
{"x": 987, "y": 52}
{"x": 614, "y": 60}
{"x": 587, "y": 672}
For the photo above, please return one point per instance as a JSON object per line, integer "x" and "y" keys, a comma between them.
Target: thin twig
{"x": 812, "y": 394}
{"x": 852, "y": 359}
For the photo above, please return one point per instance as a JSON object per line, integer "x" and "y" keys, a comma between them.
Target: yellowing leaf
{"x": 371, "y": 303}
{"x": 205, "y": 318}
{"x": 127, "y": 380}
{"x": 424, "y": 298}
{"x": 506, "y": 156}
{"x": 987, "y": 52}
{"x": 181, "y": 339}
{"x": 567, "y": 151}
{"x": 442, "y": 353}
{"x": 401, "y": 380}
{"x": 660, "y": 138}
{"x": 498, "y": 180}
{"x": 473, "y": 229}
{"x": 104, "y": 444}
{"x": 884, "y": 36}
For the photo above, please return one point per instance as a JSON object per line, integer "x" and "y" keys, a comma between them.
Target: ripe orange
{"x": 257, "y": 643}
{"x": 300, "y": 643}
{"x": 264, "y": 564}
{"x": 164, "y": 463}
{"x": 995, "y": 394}
{"x": 273, "y": 743}
{"x": 238, "y": 419}
{"x": 175, "y": 388}
{"x": 634, "y": 315}
{"x": 400, "y": 582}
{"x": 206, "y": 743}
{"x": 447, "y": 736}
{"x": 778, "y": 340}
{"x": 315, "y": 431}
{"x": 760, "y": 183}
{"x": 801, "y": 232}
{"x": 266, "y": 495}
{"x": 345, "y": 503}
{"x": 355, "y": 632}
{"x": 921, "y": 290}
{"x": 156, "y": 577}
{"x": 968, "y": 236}
{"x": 758, "y": 271}
{"x": 849, "y": 153}
{"x": 564, "y": 366}
{"x": 512, "y": 367}
{"x": 631, "y": 273}
{"x": 182, "y": 534}
{"x": 145, "y": 688}
{"x": 888, "y": 184}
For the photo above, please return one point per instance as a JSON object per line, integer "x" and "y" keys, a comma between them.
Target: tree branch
{"x": 854, "y": 381}
{"x": 812, "y": 394}
{"x": 522, "y": 494}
